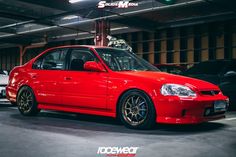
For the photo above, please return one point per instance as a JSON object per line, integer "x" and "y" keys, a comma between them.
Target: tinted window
{"x": 209, "y": 68}
{"x": 79, "y": 57}
{"x": 120, "y": 60}
{"x": 54, "y": 60}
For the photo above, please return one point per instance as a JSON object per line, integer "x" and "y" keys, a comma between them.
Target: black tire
{"x": 136, "y": 110}
{"x": 13, "y": 103}
{"x": 26, "y": 102}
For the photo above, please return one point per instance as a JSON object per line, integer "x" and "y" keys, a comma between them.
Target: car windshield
{"x": 121, "y": 60}
{"x": 209, "y": 68}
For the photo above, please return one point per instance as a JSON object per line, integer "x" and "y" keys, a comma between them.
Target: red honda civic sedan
{"x": 112, "y": 82}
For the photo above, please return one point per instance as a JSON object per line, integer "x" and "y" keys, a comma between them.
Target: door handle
{"x": 67, "y": 78}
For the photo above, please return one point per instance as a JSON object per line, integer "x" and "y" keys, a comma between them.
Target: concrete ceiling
{"x": 23, "y": 22}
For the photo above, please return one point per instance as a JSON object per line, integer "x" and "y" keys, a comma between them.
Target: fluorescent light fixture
{"x": 70, "y": 17}
{"x": 29, "y": 25}
{"x": 74, "y": 1}
{"x": 6, "y": 35}
{"x": 39, "y": 43}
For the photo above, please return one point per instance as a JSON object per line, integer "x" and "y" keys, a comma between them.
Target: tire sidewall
{"x": 150, "y": 120}
{"x": 34, "y": 109}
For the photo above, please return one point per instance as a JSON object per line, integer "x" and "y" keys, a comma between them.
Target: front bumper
{"x": 175, "y": 110}
{"x": 4, "y": 101}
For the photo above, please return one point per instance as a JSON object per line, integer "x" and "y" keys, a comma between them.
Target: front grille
{"x": 211, "y": 92}
{"x": 210, "y": 112}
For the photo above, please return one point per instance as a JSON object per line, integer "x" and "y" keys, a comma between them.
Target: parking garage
{"x": 179, "y": 34}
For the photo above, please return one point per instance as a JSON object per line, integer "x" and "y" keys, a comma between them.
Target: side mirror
{"x": 93, "y": 66}
{"x": 230, "y": 74}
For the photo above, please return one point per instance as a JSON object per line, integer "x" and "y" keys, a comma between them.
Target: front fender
{"x": 117, "y": 87}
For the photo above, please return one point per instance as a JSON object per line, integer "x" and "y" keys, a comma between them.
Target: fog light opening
{"x": 183, "y": 113}
{"x": 207, "y": 112}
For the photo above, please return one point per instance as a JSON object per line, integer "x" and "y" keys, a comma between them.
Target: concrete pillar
{"x": 163, "y": 54}
{"x": 140, "y": 44}
{"x": 177, "y": 46}
{"x": 220, "y": 43}
{"x": 190, "y": 46}
{"x": 24, "y": 49}
{"x": 102, "y": 30}
{"x": 151, "y": 48}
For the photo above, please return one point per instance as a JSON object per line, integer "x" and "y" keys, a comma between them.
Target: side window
{"x": 37, "y": 64}
{"x": 54, "y": 60}
{"x": 79, "y": 57}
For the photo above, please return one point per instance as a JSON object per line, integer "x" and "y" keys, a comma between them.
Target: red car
{"x": 112, "y": 82}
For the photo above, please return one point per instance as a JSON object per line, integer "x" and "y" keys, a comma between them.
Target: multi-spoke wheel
{"x": 136, "y": 110}
{"x": 26, "y": 102}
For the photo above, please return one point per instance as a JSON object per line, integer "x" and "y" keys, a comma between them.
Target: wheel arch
{"x": 22, "y": 86}
{"x": 133, "y": 89}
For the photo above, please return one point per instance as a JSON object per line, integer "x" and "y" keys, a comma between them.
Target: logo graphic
{"x": 118, "y": 4}
{"x": 118, "y": 151}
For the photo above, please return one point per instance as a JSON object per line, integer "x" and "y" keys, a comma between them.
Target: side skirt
{"x": 65, "y": 108}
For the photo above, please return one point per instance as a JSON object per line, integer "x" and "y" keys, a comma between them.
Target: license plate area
{"x": 220, "y": 106}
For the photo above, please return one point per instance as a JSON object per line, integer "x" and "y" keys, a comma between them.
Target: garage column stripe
{"x": 234, "y": 42}
{"x": 151, "y": 48}
{"x": 205, "y": 44}
{"x": 163, "y": 47}
{"x": 140, "y": 44}
{"x": 177, "y": 46}
{"x": 190, "y": 46}
{"x": 220, "y": 42}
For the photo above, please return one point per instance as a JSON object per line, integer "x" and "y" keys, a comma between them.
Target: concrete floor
{"x": 53, "y": 134}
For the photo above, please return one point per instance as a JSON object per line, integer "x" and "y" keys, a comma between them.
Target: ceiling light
{"x": 39, "y": 43}
{"x": 70, "y": 17}
{"x": 74, "y": 1}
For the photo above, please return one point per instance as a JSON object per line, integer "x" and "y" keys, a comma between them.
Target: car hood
{"x": 175, "y": 79}
{"x": 3, "y": 79}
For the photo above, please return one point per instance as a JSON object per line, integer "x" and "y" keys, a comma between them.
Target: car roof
{"x": 79, "y": 46}
{"x": 83, "y": 46}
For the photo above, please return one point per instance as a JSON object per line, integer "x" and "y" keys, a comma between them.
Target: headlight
{"x": 177, "y": 90}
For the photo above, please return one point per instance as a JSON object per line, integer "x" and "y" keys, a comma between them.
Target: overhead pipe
{"x": 24, "y": 49}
